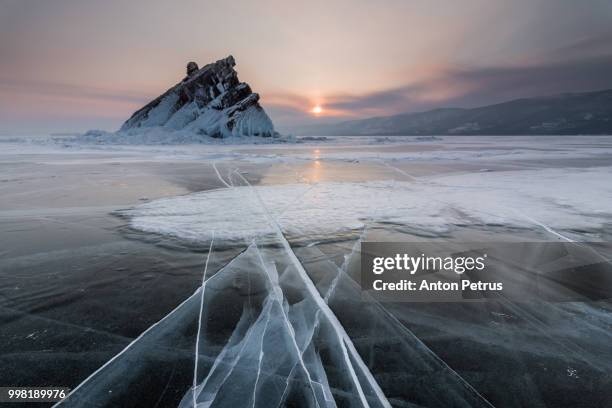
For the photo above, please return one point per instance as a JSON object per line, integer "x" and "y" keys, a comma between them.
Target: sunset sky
{"x": 73, "y": 65}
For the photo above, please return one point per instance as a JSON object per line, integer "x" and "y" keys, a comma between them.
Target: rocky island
{"x": 209, "y": 101}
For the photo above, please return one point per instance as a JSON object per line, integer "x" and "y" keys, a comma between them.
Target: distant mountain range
{"x": 588, "y": 113}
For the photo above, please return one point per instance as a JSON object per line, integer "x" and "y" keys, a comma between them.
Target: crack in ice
{"x": 345, "y": 341}
{"x": 197, "y": 345}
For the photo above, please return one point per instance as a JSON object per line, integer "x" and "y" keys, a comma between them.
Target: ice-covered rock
{"x": 208, "y": 101}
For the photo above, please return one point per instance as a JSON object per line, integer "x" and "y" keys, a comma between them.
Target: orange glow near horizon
{"x": 317, "y": 110}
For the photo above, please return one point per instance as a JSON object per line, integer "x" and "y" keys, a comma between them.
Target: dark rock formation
{"x": 210, "y": 100}
{"x": 192, "y": 67}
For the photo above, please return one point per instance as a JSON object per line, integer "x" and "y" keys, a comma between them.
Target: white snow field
{"x": 559, "y": 199}
{"x": 283, "y": 320}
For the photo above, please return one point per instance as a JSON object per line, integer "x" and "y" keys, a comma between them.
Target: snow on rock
{"x": 209, "y": 101}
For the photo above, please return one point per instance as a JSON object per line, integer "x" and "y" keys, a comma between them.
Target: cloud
{"x": 582, "y": 66}
{"x": 36, "y": 106}
{"x": 64, "y": 90}
{"x": 486, "y": 85}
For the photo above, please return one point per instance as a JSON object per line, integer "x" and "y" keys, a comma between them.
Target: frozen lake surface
{"x": 227, "y": 275}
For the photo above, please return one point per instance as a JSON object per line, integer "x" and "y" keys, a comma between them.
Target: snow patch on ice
{"x": 560, "y": 199}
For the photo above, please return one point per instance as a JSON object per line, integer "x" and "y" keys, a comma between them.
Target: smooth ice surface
{"x": 277, "y": 313}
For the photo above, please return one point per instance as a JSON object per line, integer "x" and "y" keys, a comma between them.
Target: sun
{"x": 317, "y": 110}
